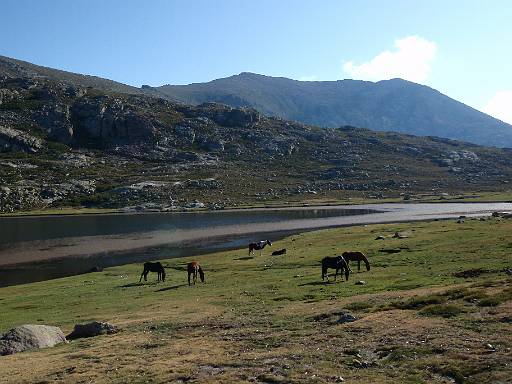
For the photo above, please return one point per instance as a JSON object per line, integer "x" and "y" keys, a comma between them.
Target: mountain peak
{"x": 389, "y": 105}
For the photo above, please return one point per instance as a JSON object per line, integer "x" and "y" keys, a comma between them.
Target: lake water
{"x": 40, "y": 248}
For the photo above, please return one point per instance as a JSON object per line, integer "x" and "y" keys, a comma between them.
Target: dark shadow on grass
{"x": 390, "y": 250}
{"x": 129, "y": 285}
{"x": 244, "y": 258}
{"x": 314, "y": 283}
{"x": 171, "y": 287}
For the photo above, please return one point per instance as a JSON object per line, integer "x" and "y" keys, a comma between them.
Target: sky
{"x": 463, "y": 48}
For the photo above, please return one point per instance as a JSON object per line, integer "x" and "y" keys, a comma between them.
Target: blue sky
{"x": 461, "y": 48}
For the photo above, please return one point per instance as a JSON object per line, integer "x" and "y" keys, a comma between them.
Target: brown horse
{"x": 356, "y": 256}
{"x": 193, "y": 268}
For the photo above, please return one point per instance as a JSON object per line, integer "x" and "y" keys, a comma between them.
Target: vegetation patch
{"x": 419, "y": 302}
{"x": 358, "y": 306}
{"x": 443, "y": 310}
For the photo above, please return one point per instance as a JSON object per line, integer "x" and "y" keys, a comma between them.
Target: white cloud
{"x": 411, "y": 60}
{"x": 308, "y": 78}
{"x": 500, "y": 106}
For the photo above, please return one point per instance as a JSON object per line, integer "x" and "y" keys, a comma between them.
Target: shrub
{"x": 443, "y": 310}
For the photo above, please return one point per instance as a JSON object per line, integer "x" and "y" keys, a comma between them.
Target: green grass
{"x": 273, "y": 317}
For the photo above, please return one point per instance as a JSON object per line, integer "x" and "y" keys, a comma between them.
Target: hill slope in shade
{"x": 391, "y": 105}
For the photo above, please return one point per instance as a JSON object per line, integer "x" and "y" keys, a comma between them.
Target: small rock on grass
{"x": 360, "y": 282}
{"x": 346, "y": 318}
{"x": 380, "y": 237}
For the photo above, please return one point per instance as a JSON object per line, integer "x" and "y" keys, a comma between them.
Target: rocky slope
{"x": 392, "y": 105}
{"x": 66, "y": 144}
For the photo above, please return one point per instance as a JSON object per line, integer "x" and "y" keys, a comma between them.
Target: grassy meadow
{"x": 421, "y": 316}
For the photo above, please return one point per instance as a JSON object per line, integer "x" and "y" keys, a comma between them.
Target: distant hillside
{"x": 17, "y": 68}
{"x": 63, "y": 144}
{"x": 392, "y": 105}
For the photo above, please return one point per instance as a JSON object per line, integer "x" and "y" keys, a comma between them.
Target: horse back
{"x": 354, "y": 255}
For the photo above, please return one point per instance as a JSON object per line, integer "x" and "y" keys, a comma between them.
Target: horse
{"x": 356, "y": 256}
{"x": 153, "y": 267}
{"x": 258, "y": 246}
{"x": 280, "y": 252}
{"x": 338, "y": 263}
{"x": 193, "y": 268}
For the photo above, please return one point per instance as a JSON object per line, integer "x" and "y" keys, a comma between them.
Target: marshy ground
{"x": 436, "y": 308}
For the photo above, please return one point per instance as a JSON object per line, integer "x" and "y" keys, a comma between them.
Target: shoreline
{"x": 82, "y": 211}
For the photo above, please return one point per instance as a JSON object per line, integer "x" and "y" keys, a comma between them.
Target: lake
{"x": 41, "y": 248}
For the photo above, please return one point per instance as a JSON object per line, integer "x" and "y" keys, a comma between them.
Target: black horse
{"x": 338, "y": 263}
{"x": 153, "y": 267}
{"x": 258, "y": 246}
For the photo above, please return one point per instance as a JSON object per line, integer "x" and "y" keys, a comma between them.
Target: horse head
{"x": 269, "y": 243}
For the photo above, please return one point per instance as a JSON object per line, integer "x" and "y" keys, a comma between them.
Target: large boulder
{"x": 30, "y": 336}
{"x": 95, "y": 328}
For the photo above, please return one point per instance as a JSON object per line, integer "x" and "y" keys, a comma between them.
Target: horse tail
{"x": 201, "y": 274}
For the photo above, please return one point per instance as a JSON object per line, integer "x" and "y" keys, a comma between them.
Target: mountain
{"x": 16, "y": 68}
{"x": 391, "y": 105}
{"x": 65, "y": 144}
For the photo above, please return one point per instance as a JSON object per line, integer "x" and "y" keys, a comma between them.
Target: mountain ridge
{"x": 387, "y": 105}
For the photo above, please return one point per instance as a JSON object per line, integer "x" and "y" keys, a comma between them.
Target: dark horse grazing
{"x": 193, "y": 268}
{"x": 338, "y": 263}
{"x": 356, "y": 256}
{"x": 258, "y": 246}
{"x": 153, "y": 267}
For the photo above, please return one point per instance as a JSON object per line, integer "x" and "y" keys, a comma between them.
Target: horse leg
{"x": 142, "y": 274}
{"x": 189, "y": 278}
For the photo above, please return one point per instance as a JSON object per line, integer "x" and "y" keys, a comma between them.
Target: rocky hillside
{"x": 66, "y": 144}
{"x": 18, "y": 68}
{"x": 392, "y": 105}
